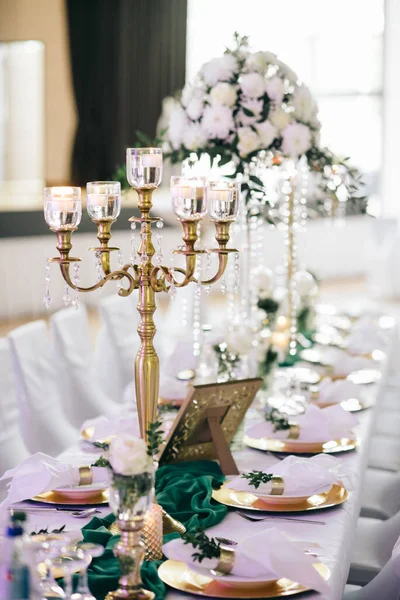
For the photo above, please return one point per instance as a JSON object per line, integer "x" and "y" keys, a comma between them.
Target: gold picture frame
{"x": 207, "y": 421}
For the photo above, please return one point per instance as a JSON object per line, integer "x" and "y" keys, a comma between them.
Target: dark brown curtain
{"x": 126, "y": 56}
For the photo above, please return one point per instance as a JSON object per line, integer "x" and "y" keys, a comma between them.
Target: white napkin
{"x": 316, "y": 425}
{"x": 366, "y": 340}
{"x": 337, "y": 391}
{"x": 104, "y": 427}
{"x": 344, "y": 364}
{"x": 41, "y": 473}
{"x": 301, "y": 476}
{"x": 269, "y": 554}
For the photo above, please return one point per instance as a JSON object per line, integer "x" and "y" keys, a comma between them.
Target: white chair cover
{"x": 43, "y": 424}
{"x": 388, "y": 422}
{"x": 385, "y": 586}
{"x": 82, "y": 396}
{"x": 380, "y": 494}
{"x": 12, "y": 447}
{"x": 384, "y": 453}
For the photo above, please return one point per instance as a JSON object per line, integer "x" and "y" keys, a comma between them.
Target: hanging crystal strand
{"x": 231, "y": 296}
{"x": 236, "y": 272}
{"x": 253, "y": 263}
{"x": 172, "y": 288}
{"x": 291, "y": 263}
{"x": 243, "y": 227}
{"x": 304, "y": 180}
{"x": 120, "y": 263}
{"x": 133, "y": 257}
{"x": 199, "y": 264}
{"x": 197, "y": 311}
{"x": 207, "y": 273}
{"x": 159, "y": 241}
{"x": 67, "y": 297}
{"x": 143, "y": 235}
{"x": 75, "y": 280}
{"x": 47, "y": 299}
{"x": 99, "y": 270}
{"x": 185, "y": 313}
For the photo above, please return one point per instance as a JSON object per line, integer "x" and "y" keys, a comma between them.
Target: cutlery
{"x": 255, "y": 519}
{"x": 78, "y": 514}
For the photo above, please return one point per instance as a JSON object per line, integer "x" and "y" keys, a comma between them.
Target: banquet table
{"x": 335, "y": 537}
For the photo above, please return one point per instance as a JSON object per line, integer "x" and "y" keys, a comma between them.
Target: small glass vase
{"x": 130, "y": 499}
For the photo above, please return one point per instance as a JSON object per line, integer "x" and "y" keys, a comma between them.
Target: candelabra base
{"x": 130, "y": 594}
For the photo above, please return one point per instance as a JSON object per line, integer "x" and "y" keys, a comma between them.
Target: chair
{"x": 83, "y": 398}
{"x": 384, "y": 453}
{"x": 380, "y": 494}
{"x": 43, "y": 423}
{"x": 373, "y": 546}
{"x": 386, "y": 584}
{"x": 12, "y": 447}
{"x": 387, "y": 422}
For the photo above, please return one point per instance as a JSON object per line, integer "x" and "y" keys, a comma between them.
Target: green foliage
{"x": 155, "y": 437}
{"x": 256, "y": 478}
{"x": 101, "y": 462}
{"x": 46, "y": 531}
{"x": 265, "y": 367}
{"x": 207, "y": 547}
{"x": 268, "y": 305}
{"x": 280, "y": 421}
{"x": 227, "y": 362}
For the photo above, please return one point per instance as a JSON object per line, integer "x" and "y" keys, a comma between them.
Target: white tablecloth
{"x": 335, "y": 537}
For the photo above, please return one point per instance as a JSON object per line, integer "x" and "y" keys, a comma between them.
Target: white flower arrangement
{"x": 128, "y": 455}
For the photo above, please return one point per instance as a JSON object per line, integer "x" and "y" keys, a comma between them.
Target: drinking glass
{"x": 89, "y": 551}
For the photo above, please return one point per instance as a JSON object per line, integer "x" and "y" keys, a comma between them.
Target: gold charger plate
{"x": 350, "y": 405}
{"x": 292, "y": 447}
{"x": 245, "y": 500}
{"x": 180, "y": 577}
{"x": 54, "y": 497}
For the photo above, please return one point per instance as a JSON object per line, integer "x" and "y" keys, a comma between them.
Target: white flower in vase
{"x": 275, "y": 89}
{"x": 287, "y": 72}
{"x": 219, "y": 69}
{"x": 296, "y": 139}
{"x": 252, "y": 85}
{"x": 194, "y": 137}
{"x": 303, "y": 103}
{"x": 195, "y": 108}
{"x": 279, "y": 118}
{"x": 223, "y": 93}
{"x": 128, "y": 456}
{"x": 217, "y": 121}
{"x": 177, "y": 126}
{"x": 259, "y": 61}
{"x": 267, "y": 133}
{"x": 249, "y": 141}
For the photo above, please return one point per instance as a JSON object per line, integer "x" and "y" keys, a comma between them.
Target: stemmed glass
{"x": 71, "y": 561}
{"x": 89, "y": 551}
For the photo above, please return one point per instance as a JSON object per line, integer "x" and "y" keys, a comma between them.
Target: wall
{"x": 45, "y": 20}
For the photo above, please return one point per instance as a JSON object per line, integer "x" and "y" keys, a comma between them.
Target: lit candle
{"x": 282, "y": 323}
{"x": 218, "y": 195}
{"x": 151, "y": 160}
{"x": 188, "y": 191}
{"x": 65, "y": 206}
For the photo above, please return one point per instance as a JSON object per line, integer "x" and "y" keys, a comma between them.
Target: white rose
{"x": 224, "y": 93}
{"x": 259, "y": 61}
{"x": 252, "y": 85}
{"x": 217, "y": 121}
{"x": 267, "y": 133}
{"x": 275, "y": 89}
{"x": 128, "y": 455}
{"x": 248, "y": 141}
{"x": 296, "y": 140}
{"x": 190, "y": 91}
{"x": 303, "y": 104}
{"x": 194, "y": 137}
{"x": 287, "y": 71}
{"x": 280, "y": 118}
{"x": 195, "y": 108}
{"x": 219, "y": 69}
{"x": 177, "y": 126}
{"x": 240, "y": 341}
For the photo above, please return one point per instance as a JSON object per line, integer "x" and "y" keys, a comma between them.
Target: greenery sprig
{"x": 265, "y": 366}
{"x": 155, "y": 437}
{"x": 207, "y": 547}
{"x": 280, "y": 421}
{"x": 268, "y": 305}
{"x": 46, "y": 531}
{"x": 102, "y": 445}
{"x": 256, "y": 478}
{"x": 227, "y": 362}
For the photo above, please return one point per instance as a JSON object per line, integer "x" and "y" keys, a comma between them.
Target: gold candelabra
{"x": 191, "y": 199}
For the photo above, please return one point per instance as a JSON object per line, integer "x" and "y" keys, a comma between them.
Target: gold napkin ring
{"x": 226, "y": 560}
{"x": 85, "y": 475}
{"x": 294, "y": 432}
{"x": 277, "y": 485}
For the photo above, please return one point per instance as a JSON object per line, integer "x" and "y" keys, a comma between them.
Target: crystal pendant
{"x": 75, "y": 280}
{"x": 99, "y": 270}
{"x": 133, "y": 255}
{"x": 67, "y": 297}
{"x": 47, "y": 299}
{"x": 159, "y": 254}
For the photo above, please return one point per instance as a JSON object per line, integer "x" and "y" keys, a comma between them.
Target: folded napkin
{"x": 104, "y": 427}
{"x": 269, "y": 554}
{"x": 337, "y": 391}
{"x": 301, "y": 476}
{"x": 40, "y": 473}
{"x": 366, "y": 340}
{"x": 344, "y": 364}
{"x": 315, "y": 425}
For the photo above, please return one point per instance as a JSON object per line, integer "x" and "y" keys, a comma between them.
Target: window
{"x": 335, "y": 48}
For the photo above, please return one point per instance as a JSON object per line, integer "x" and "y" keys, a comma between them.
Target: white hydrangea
{"x": 194, "y": 137}
{"x": 296, "y": 139}
{"x": 267, "y": 133}
{"x": 249, "y": 141}
{"x": 224, "y": 93}
{"x": 190, "y": 91}
{"x": 217, "y": 121}
{"x": 219, "y": 69}
{"x": 128, "y": 455}
{"x": 275, "y": 88}
{"x": 195, "y": 108}
{"x": 280, "y": 118}
{"x": 252, "y": 85}
{"x": 303, "y": 103}
{"x": 177, "y": 125}
{"x": 259, "y": 61}
{"x": 287, "y": 72}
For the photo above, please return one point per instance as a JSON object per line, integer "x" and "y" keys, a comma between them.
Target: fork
{"x": 255, "y": 519}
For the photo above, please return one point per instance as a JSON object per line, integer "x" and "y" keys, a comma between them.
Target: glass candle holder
{"x": 189, "y": 197}
{"x": 62, "y": 207}
{"x": 223, "y": 200}
{"x": 144, "y": 167}
{"x": 103, "y": 200}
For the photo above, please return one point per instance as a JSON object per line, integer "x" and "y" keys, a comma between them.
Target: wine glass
{"x": 71, "y": 561}
{"x": 89, "y": 551}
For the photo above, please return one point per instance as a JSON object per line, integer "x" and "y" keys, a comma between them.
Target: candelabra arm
{"x": 114, "y": 275}
{"x": 222, "y": 264}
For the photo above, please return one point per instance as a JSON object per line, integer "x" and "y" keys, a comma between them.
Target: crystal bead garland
{"x": 99, "y": 270}
{"x": 159, "y": 242}
{"x": 133, "y": 255}
{"x": 120, "y": 262}
{"x": 67, "y": 297}
{"x": 172, "y": 288}
{"x": 47, "y": 299}
{"x": 75, "y": 280}
{"x": 291, "y": 200}
{"x": 207, "y": 273}
{"x": 197, "y": 311}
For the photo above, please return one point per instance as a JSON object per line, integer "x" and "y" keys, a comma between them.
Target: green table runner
{"x": 184, "y": 491}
